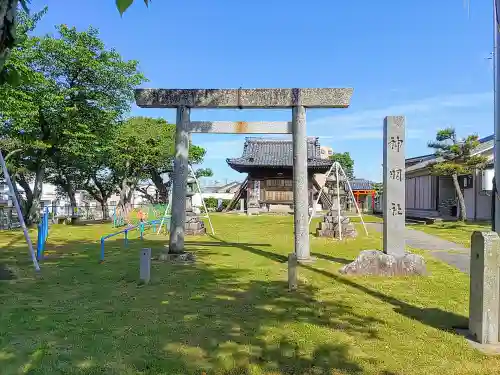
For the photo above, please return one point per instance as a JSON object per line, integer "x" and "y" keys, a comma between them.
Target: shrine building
{"x": 269, "y": 166}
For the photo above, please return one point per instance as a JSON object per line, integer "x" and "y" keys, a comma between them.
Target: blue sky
{"x": 424, "y": 59}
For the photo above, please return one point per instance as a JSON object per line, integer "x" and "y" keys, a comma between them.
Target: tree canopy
{"x": 345, "y": 160}
{"x": 68, "y": 122}
{"x": 456, "y": 157}
{"x": 10, "y": 36}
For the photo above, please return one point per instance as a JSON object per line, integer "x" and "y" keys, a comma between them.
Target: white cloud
{"x": 373, "y": 117}
{"x": 360, "y": 134}
{"x": 222, "y": 149}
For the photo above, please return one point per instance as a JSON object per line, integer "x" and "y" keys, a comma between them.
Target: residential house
{"x": 435, "y": 196}
{"x": 87, "y": 207}
{"x": 224, "y": 192}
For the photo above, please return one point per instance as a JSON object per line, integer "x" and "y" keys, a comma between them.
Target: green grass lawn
{"x": 453, "y": 231}
{"x": 366, "y": 219}
{"x": 230, "y": 312}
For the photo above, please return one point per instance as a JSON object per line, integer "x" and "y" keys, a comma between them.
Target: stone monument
{"x": 194, "y": 225}
{"x": 394, "y": 260}
{"x": 333, "y": 224}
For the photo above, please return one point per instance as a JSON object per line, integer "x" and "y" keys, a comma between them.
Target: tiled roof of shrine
{"x": 277, "y": 153}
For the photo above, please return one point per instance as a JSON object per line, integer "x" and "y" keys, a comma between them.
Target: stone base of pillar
{"x": 253, "y": 211}
{"x": 183, "y": 258}
{"x": 377, "y": 263}
{"x": 488, "y": 349}
{"x": 194, "y": 226}
{"x": 307, "y": 260}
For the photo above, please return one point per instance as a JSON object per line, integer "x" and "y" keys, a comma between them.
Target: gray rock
{"x": 331, "y": 224}
{"x": 376, "y": 263}
{"x": 7, "y": 272}
{"x": 178, "y": 258}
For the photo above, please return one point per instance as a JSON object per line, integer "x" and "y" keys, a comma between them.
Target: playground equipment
{"x": 43, "y": 233}
{"x": 19, "y": 212}
{"x": 118, "y": 217}
{"x": 337, "y": 168}
{"x": 133, "y": 216}
{"x": 141, "y": 227}
{"x": 167, "y": 214}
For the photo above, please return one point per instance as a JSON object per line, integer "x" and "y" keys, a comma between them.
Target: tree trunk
{"x": 160, "y": 186}
{"x": 33, "y": 197}
{"x": 461, "y": 200}
{"x": 72, "y": 201}
{"x": 7, "y": 28}
{"x": 15, "y": 193}
{"x": 104, "y": 209}
{"x": 126, "y": 191}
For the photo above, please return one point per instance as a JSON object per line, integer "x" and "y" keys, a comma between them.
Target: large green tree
{"x": 10, "y": 36}
{"x": 77, "y": 93}
{"x": 345, "y": 160}
{"x": 456, "y": 157}
{"x": 100, "y": 180}
{"x": 144, "y": 150}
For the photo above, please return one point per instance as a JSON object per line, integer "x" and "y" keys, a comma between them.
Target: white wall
{"x": 196, "y": 199}
{"x": 469, "y": 202}
{"x": 483, "y": 200}
{"x": 421, "y": 192}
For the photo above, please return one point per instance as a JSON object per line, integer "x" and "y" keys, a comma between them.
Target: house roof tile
{"x": 361, "y": 184}
{"x": 485, "y": 144}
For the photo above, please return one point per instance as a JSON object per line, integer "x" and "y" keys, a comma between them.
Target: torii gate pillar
{"x": 297, "y": 99}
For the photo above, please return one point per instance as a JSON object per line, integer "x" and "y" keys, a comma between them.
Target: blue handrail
{"x": 141, "y": 226}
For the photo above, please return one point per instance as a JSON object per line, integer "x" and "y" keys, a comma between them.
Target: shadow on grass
{"x": 432, "y": 317}
{"x": 332, "y": 259}
{"x": 241, "y": 245}
{"x": 83, "y": 318}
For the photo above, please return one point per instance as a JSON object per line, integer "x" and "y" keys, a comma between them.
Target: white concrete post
{"x": 145, "y": 265}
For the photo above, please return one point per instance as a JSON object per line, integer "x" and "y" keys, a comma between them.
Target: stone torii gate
{"x": 298, "y": 99}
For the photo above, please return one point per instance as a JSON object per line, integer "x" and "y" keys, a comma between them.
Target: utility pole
{"x": 496, "y": 107}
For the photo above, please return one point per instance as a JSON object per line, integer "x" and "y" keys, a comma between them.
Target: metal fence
{"x": 9, "y": 218}
{"x": 96, "y": 212}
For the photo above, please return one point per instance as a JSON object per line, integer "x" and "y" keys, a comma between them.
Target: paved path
{"x": 447, "y": 251}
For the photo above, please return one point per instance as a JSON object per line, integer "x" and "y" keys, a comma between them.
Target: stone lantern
{"x": 334, "y": 223}
{"x": 331, "y": 185}
{"x": 194, "y": 226}
{"x": 190, "y": 191}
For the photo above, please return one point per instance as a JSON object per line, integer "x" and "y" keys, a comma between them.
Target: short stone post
{"x": 145, "y": 265}
{"x": 484, "y": 287}
{"x": 292, "y": 272}
{"x": 394, "y": 186}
